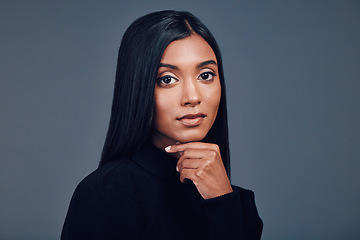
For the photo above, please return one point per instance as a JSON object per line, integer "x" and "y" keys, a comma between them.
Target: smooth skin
{"x": 187, "y": 96}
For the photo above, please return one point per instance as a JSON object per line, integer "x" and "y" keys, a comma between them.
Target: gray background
{"x": 292, "y": 70}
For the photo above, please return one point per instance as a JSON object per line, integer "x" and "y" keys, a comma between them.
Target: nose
{"x": 191, "y": 93}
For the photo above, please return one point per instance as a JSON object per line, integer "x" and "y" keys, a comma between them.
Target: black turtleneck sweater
{"x": 141, "y": 197}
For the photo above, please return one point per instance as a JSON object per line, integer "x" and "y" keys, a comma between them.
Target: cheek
{"x": 164, "y": 106}
{"x": 217, "y": 97}
{"x": 213, "y": 98}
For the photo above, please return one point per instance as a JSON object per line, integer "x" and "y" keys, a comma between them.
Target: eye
{"x": 166, "y": 80}
{"x": 207, "y": 76}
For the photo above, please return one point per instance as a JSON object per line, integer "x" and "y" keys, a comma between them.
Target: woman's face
{"x": 187, "y": 92}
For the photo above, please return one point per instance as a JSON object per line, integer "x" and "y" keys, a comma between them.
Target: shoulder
{"x": 97, "y": 201}
{"x": 244, "y": 192}
{"x": 115, "y": 177}
{"x": 248, "y": 205}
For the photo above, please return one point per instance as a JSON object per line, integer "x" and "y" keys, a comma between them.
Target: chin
{"x": 191, "y": 138}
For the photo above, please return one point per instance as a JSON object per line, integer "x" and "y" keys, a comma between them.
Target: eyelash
{"x": 161, "y": 79}
{"x": 212, "y": 74}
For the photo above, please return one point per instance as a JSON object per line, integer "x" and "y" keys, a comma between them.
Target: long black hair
{"x": 140, "y": 53}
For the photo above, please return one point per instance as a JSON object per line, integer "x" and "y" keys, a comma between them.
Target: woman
{"x": 165, "y": 163}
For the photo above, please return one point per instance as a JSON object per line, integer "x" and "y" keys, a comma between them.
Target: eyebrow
{"x": 200, "y": 65}
{"x": 168, "y": 66}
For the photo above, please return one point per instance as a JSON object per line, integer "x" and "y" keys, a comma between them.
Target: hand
{"x": 202, "y": 163}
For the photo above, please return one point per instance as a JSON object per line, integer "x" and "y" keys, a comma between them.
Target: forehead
{"x": 191, "y": 49}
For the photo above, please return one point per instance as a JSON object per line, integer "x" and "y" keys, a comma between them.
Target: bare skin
{"x": 202, "y": 163}
{"x": 187, "y": 96}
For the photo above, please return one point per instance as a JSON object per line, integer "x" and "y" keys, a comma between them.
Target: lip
{"x": 192, "y": 120}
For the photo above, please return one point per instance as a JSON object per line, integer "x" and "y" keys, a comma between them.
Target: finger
{"x": 189, "y": 164}
{"x": 195, "y": 145}
{"x": 196, "y": 154}
{"x": 177, "y": 143}
{"x": 187, "y": 174}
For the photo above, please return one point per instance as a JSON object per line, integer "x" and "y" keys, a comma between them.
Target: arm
{"x": 232, "y": 216}
{"x": 99, "y": 212}
{"x": 230, "y": 212}
{"x": 202, "y": 163}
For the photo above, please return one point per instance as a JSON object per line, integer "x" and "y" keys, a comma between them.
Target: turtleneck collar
{"x": 157, "y": 162}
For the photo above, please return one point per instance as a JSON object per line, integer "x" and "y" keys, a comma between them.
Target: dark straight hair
{"x": 140, "y": 53}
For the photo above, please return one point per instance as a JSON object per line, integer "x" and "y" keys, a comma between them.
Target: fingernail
{"x": 168, "y": 148}
{"x": 177, "y": 168}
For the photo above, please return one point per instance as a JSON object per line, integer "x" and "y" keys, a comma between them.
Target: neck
{"x": 161, "y": 142}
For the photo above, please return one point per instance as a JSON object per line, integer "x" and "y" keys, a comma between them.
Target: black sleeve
{"x": 98, "y": 212}
{"x": 233, "y": 216}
